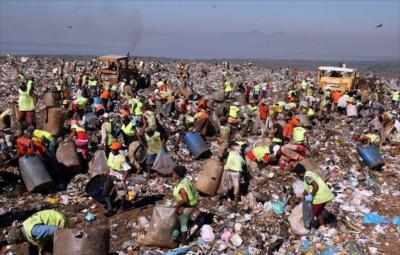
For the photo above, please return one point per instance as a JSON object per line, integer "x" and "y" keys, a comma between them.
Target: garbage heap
{"x": 363, "y": 217}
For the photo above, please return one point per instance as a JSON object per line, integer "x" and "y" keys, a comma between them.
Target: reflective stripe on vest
{"x": 324, "y": 194}
{"x": 116, "y": 162}
{"x": 298, "y": 135}
{"x": 191, "y": 192}
{"x": 260, "y": 151}
{"x": 233, "y": 111}
{"x": 45, "y": 217}
{"x": 234, "y": 162}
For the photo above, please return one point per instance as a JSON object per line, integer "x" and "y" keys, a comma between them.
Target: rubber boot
{"x": 110, "y": 210}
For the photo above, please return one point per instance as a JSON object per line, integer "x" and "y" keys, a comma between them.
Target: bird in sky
{"x": 69, "y": 27}
{"x": 379, "y": 26}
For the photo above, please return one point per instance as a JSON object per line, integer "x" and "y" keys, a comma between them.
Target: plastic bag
{"x": 98, "y": 164}
{"x": 296, "y": 221}
{"x": 163, "y": 223}
{"x": 298, "y": 188}
{"x": 308, "y": 216}
{"x": 163, "y": 163}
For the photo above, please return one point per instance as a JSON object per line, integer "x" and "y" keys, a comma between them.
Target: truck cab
{"x": 114, "y": 68}
{"x": 337, "y": 78}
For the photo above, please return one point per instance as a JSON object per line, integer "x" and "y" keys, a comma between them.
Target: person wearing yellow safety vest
{"x": 186, "y": 199}
{"x": 46, "y": 139}
{"x": 233, "y": 117}
{"x": 26, "y": 103}
{"x": 107, "y": 136}
{"x": 154, "y": 145}
{"x": 316, "y": 191}
{"x": 149, "y": 118}
{"x": 81, "y": 141}
{"x": 370, "y": 138}
{"x": 38, "y": 230}
{"x": 256, "y": 91}
{"x": 395, "y": 98}
{"x": 299, "y": 135}
{"x": 92, "y": 82}
{"x": 227, "y": 86}
{"x": 251, "y": 115}
{"x": 233, "y": 170}
{"x": 136, "y": 107}
{"x": 116, "y": 177}
{"x": 79, "y": 105}
{"x": 256, "y": 156}
{"x": 128, "y": 130}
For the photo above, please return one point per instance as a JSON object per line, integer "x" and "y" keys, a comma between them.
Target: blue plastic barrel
{"x": 196, "y": 144}
{"x": 371, "y": 156}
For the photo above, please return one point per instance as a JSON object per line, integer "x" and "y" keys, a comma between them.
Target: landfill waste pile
{"x": 128, "y": 156}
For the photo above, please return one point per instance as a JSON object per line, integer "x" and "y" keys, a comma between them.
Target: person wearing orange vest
{"x": 28, "y": 147}
{"x": 201, "y": 122}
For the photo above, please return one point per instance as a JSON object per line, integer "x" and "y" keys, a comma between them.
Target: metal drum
{"x": 196, "y": 144}
{"x": 34, "y": 173}
{"x": 91, "y": 241}
{"x": 210, "y": 177}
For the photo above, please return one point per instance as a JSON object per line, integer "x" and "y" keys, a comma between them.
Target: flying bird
{"x": 214, "y": 6}
{"x": 379, "y": 26}
{"x": 69, "y": 27}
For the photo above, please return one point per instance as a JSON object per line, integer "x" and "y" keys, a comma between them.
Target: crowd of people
{"x": 141, "y": 104}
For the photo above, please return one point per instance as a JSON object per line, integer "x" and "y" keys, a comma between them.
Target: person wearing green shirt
{"x": 186, "y": 198}
{"x": 316, "y": 191}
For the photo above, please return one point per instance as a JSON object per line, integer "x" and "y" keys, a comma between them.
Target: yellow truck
{"x": 337, "y": 78}
{"x": 114, "y": 68}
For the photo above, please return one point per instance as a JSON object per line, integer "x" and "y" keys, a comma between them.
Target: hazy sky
{"x": 308, "y": 29}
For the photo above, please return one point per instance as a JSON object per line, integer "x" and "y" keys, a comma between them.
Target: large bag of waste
{"x": 162, "y": 224}
{"x": 49, "y": 100}
{"x": 5, "y": 119}
{"x": 88, "y": 241}
{"x": 196, "y": 144}
{"x": 219, "y": 96}
{"x": 371, "y": 156}
{"x": 310, "y": 165}
{"x": 66, "y": 154}
{"x": 210, "y": 177}
{"x": 54, "y": 121}
{"x": 163, "y": 163}
{"x": 98, "y": 164}
{"x": 296, "y": 221}
{"x": 241, "y": 98}
{"x": 34, "y": 173}
{"x": 214, "y": 121}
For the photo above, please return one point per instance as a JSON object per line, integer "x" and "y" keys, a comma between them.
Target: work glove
{"x": 308, "y": 197}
